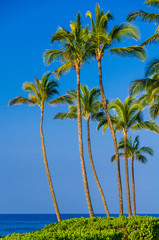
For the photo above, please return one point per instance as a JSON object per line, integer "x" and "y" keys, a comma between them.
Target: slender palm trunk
{"x": 94, "y": 171}
{"x": 113, "y": 137}
{"x": 133, "y": 186}
{"x": 90, "y": 208}
{"x": 127, "y": 174}
{"x": 47, "y": 168}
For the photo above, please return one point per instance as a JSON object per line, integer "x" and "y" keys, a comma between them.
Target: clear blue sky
{"x": 26, "y": 28}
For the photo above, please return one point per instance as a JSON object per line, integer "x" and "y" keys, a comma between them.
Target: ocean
{"x": 23, "y": 223}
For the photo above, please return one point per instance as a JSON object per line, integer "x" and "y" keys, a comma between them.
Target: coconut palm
{"x": 90, "y": 110}
{"x": 102, "y": 42}
{"x": 127, "y": 116}
{"x": 74, "y": 51}
{"x": 149, "y": 87}
{"x": 41, "y": 93}
{"x": 134, "y": 152}
{"x": 148, "y": 17}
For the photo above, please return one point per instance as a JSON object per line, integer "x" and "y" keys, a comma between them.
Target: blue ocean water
{"x": 22, "y": 223}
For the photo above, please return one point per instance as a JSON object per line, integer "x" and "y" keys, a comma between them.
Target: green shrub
{"x": 121, "y": 228}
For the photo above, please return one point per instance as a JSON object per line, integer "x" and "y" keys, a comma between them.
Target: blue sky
{"x": 26, "y": 28}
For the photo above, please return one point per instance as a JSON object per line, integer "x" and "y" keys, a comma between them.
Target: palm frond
{"x": 154, "y": 110}
{"x": 146, "y": 125}
{"x": 153, "y": 39}
{"x": 118, "y": 108}
{"x": 113, "y": 157}
{"x": 52, "y": 54}
{"x": 144, "y": 16}
{"x": 97, "y": 116}
{"x": 153, "y": 3}
{"x": 141, "y": 85}
{"x": 135, "y": 51}
{"x": 103, "y": 123}
{"x": 63, "y": 36}
{"x": 29, "y": 86}
{"x": 152, "y": 67}
{"x": 61, "y": 100}
{"x": 20, "y": 100}
{"x": 68, "y": 115}
{"x": 124, "y": 30}
{"x": 147, "y": 150}
{"x": 141, "y": 158}
{"x": 67, "y": 66}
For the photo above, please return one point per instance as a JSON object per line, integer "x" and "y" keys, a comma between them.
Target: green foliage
{"x": 149, "y": 88}
{"x": 148, "y": 17}
{"x": 153, "y": 67}
{"x": 74, "y": 47}
{"x": 90, "y": 105}
{"x": 126, "y": 116}
{"x": 121, "y": 228}
{"x": 133, "y": 150}
{"x": 41, "y": 92}
{"x": 101, "y": 40}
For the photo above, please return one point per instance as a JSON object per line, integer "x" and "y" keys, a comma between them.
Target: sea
{"x": 23, "y": 223}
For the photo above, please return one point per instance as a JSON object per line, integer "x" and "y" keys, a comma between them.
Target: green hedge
{"x": 121, "y": 228}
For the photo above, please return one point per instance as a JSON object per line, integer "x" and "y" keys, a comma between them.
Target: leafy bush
{"x": 121, "y": 228}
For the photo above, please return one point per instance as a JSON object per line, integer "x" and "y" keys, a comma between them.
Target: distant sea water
{"x": 23, "y": 223}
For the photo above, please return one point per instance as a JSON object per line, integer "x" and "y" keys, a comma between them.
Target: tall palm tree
{"x": 149, "y": 87}
{"x": 134, "y": 152}
{"x": 41, "y": 93}
{"x": 127, "y": 116}
{"x": 90, "y": 110}
{"x": 101, "y": 43}
{"x": 147, "y": 17}
{"x": 73, "y": 53}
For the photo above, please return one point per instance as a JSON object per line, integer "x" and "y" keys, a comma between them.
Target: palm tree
{"x": 148, "y": 17}
{"x": 90, "y": 110}
{"x": 101, "y": 43}
{"x": 149, "y": 87}
{"x": 134, "y": 152}
{"x": 73, "y": 53}
{"x": 127, "y": 116}
{"x": 40, "y": 93}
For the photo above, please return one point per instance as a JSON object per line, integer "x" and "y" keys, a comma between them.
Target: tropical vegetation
{"x": 90, "y": 110}
{"x": 74, "y": 48}
{"x": 127, "y": 116}
{"x": 122, "y": 228}
{"x": 134, "y": 152}
{"x": 42, "y": 93}
{"x": 74, "y": 53}
{"x": 101, "y": 43}
{"x": 147, "y": 17}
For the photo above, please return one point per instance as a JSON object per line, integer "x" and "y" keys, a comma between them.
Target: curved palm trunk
{"x": 127, "y": 175}
{"x": 47, "y": 169}
{"x": 114, "y": 139}
{"x": 94, "y": 171}
{"x": 133, "y": 186}
{"x": 90, "y": 208}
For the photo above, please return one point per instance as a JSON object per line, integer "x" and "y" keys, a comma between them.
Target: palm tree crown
{"x": 74, "y": 47}
{"x": 102, "y": 40}
{"x": 41, "y": 93}
{"x": 149, "y": 87}
{"x": 90, "y": 105}
{"x": 127, "y": 116}
{"x": 133, "y": 150}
